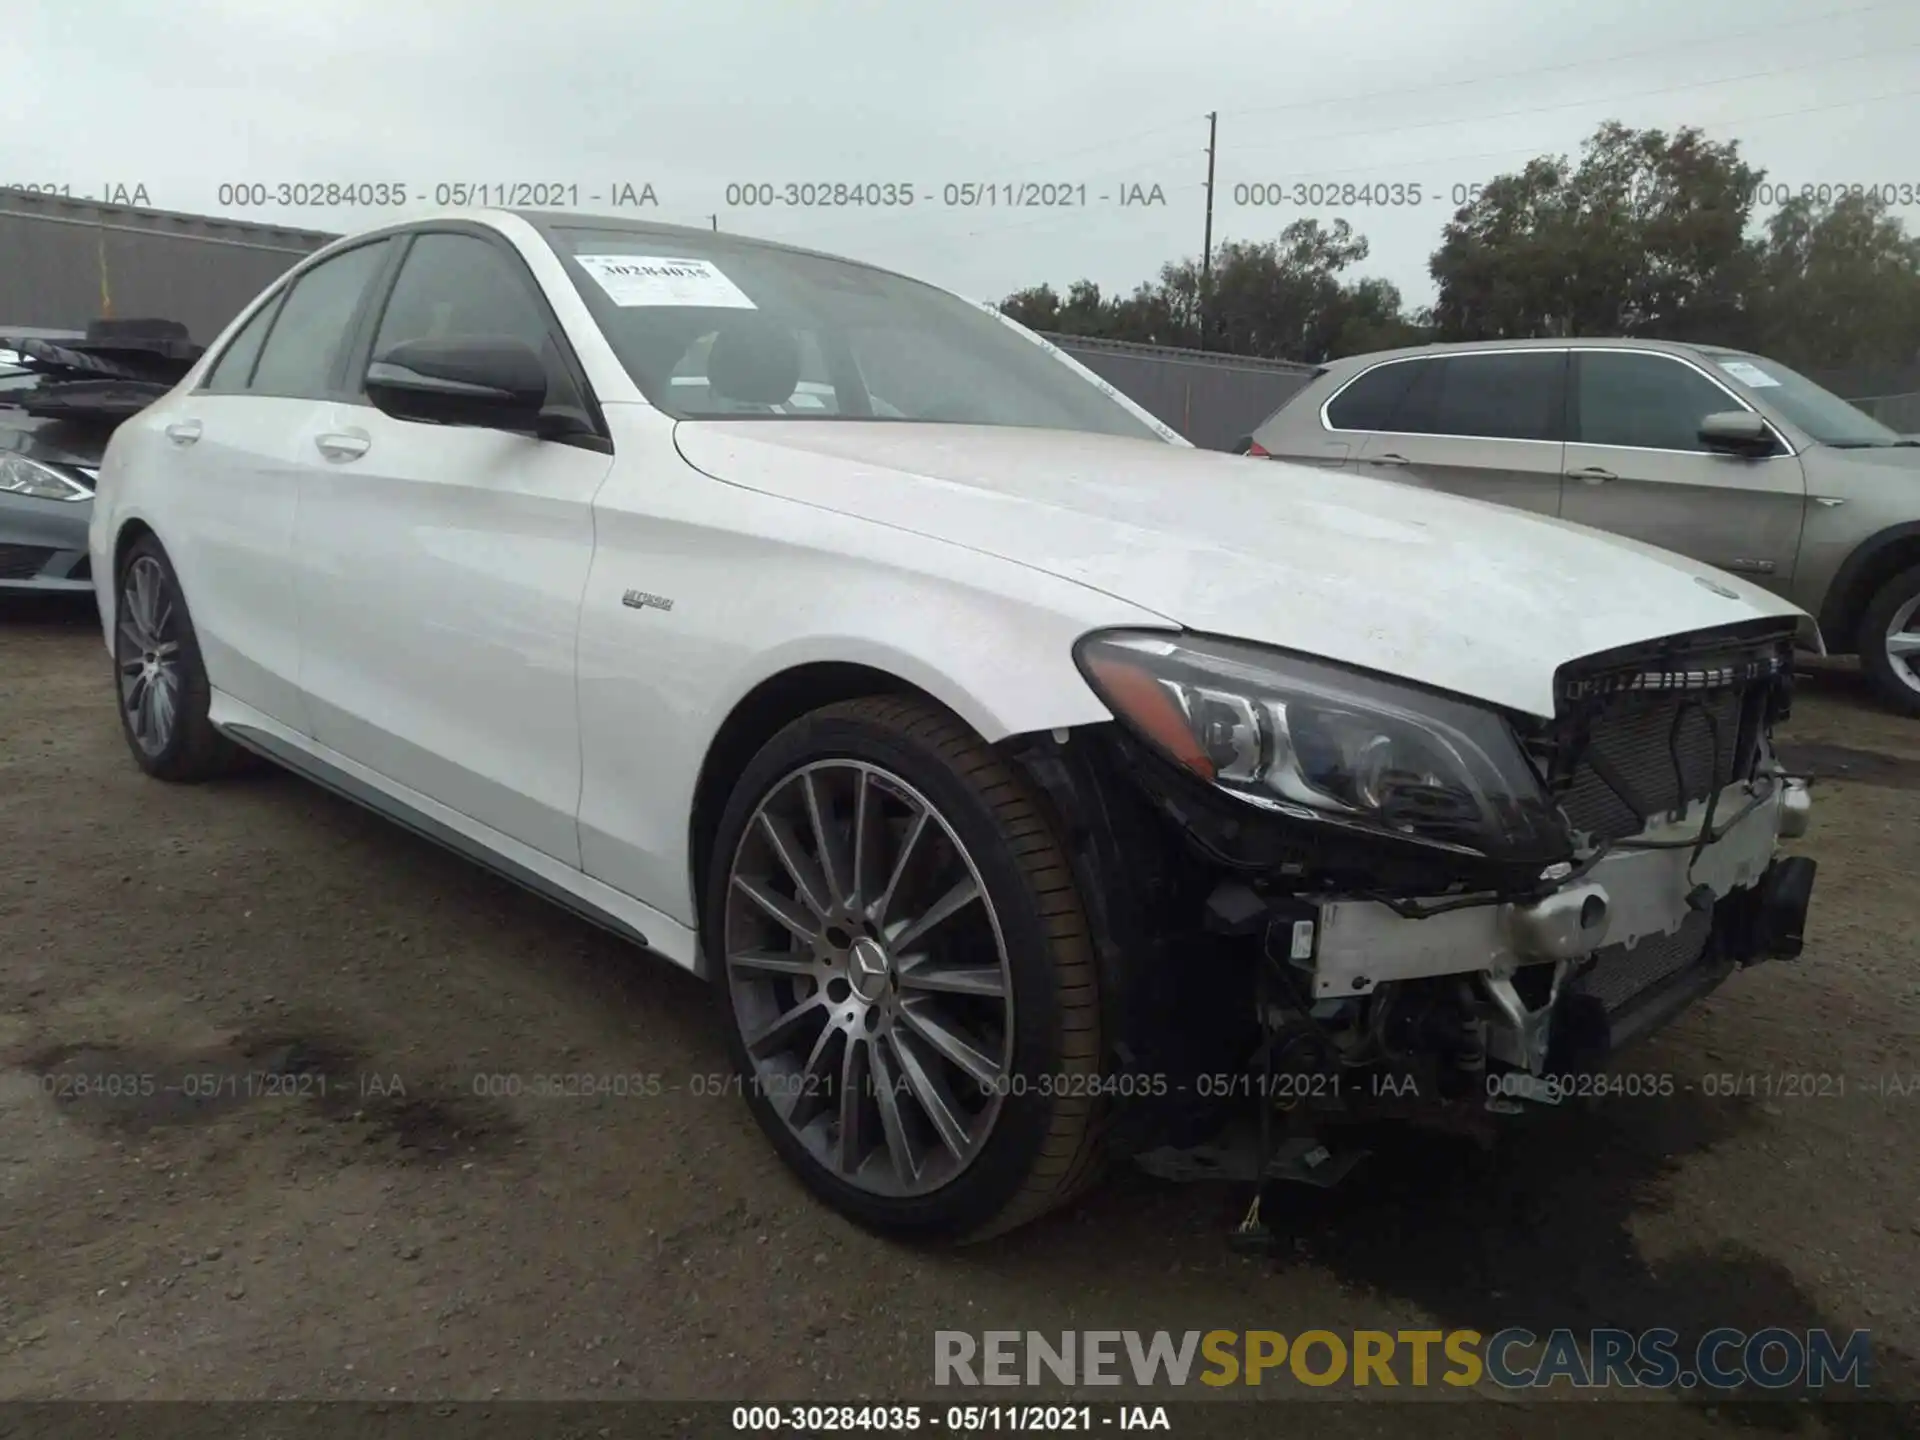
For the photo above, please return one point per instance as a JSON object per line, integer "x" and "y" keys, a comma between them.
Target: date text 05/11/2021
{"x": 735, "y": 195}
{"x": 459, "y": 194}
{"x": 1397, "y": 194}
{"x": 1012, "y": 1419}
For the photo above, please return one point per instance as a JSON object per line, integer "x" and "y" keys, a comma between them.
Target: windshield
{"x": 719, "y": 328}
{"x": 1822, "y": 414}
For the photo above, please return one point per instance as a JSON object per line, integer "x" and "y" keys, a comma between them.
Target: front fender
{"x": 718, "y": 609}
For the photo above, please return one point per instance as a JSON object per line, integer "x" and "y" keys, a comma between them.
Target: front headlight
{"x": 21, "y": 476}
{"x": 1320, "y": 742}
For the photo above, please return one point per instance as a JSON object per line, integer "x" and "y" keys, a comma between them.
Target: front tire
{"x": 906, "y": 973}
{"x": 1889, "y": 641}
{"x": 159, "y": 676}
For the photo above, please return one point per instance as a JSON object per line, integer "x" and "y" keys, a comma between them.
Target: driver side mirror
{"x": 1736, "y": 432}
{"x": 481, "y": 381}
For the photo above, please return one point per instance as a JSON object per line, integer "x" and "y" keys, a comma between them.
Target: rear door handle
{"x": 1388, "y": 459}
{"x": 184, "y": 432}
{"x": 1592, "y": 475}
{"x": 343, "y": 444}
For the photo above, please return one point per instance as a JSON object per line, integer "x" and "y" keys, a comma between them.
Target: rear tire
{"x": 983, "y": 1024}
{"x": 160, "y": 679}
{"x": 1889, "y": 641}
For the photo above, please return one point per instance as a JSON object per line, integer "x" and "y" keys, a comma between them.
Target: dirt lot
{"x": 406, "y": 1235}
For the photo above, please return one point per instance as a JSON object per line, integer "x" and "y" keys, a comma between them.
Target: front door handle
{"x": 183, "y": 432}
{"x": 1388, "y": 459}
{"x": 1592, "y": 475}
{"x": 343, "y": 444}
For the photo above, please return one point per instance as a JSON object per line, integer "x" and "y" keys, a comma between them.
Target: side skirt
{"x": 551, "y": 879}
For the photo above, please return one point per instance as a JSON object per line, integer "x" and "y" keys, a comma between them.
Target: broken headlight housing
{"x": 1320, "y": 742}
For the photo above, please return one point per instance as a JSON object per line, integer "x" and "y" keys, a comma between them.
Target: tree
{"x": 1284, "y": 298}
{"x": 1083, "y": 312}
{"x": 1645, "y": 236}
{"x": 1840, "y": 284}
{"x": 1648, "y": 234}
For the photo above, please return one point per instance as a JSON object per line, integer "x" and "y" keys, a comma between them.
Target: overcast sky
{"x": 690, "y": 96}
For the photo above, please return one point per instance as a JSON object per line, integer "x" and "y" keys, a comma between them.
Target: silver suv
{"x": 1727, "y": 457}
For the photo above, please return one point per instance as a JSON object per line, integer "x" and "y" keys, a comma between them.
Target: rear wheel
{"x": 1889, "y": 641}
{"x": 159, "y": 675}
{"x": 906, "y": 972}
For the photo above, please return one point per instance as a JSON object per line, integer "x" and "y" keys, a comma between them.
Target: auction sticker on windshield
{"x": 1748, "y": 374}
{"x": 633, "y": 280}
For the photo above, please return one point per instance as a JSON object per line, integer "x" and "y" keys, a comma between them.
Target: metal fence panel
{"x": 1896, "y": 412}
{"x": 63, "y": 262}
{"x": 1212, "y": 400}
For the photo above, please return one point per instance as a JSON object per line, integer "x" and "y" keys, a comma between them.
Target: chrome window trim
{"x": 1739, "y": 401}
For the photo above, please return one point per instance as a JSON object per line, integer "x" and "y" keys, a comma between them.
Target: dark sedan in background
{"x": 62, "y": 393}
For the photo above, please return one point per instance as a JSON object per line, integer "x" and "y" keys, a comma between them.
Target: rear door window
{"x": 1502, "y": 395}
{"x": 233, "y": 371}
{"x": 310, "y": 333}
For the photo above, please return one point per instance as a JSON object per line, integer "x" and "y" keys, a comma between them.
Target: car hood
{"x": 1463, "y": 596}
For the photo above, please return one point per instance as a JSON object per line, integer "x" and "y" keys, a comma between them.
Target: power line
{"x": 1720, "y": 38}
{"x": 1404, "y": 165}
{"x": 995, "y": 168}
{"x": 1670, "y": 48}
{"x": 1298, "y": 140}
{"x": 1374, "y": 167}
{"x": 1665, "y": 51}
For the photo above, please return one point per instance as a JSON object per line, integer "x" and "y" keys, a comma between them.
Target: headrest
{"x": 754, "y": 359}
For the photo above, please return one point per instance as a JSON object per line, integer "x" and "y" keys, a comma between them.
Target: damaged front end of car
{"x": 1323, "y": 895}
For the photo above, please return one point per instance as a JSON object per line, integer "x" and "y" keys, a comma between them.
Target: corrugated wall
{"x": 64, "y": 262}
{"x": 1213, "y": 400}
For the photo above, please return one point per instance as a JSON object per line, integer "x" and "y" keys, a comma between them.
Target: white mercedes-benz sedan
{"x": 1032, "y": 786}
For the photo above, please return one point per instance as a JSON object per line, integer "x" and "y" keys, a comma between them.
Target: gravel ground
{"x": 407, "y": 1235}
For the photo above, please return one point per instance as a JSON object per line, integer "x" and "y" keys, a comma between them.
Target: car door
{"x": 1635, "y": 466}
{"x": 440, "y": 567}
{"x": 1486, "y": 424}
{"x": 225, "y": 456}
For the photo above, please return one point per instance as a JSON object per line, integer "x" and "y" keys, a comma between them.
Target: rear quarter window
{"x": 1368, "y": 403}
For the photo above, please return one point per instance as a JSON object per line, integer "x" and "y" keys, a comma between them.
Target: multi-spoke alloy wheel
{"x": 904, "y": 962}
{"x": 147, "y": 649}
{"x": 159, "y": 674}
{"x": 869, "y": 976}
{"x": 1890, "y": 641}
{"x": 1903, "y": 643}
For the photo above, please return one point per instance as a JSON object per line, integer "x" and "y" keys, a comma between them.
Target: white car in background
{"x": 1027, "y": 781}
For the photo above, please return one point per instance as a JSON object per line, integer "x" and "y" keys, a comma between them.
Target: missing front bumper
{"x": 1568, "y": 980}
{"x": 1645, "y": 893}
{"x": 1633, "y": 996}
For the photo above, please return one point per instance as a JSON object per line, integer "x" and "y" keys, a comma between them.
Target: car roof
{"x": 1349, "y": 363}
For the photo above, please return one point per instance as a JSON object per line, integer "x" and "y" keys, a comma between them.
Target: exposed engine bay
{"x": 1313, "y": 965}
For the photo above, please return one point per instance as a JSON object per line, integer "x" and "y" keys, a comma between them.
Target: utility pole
{"x": 1206, "y": 246}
